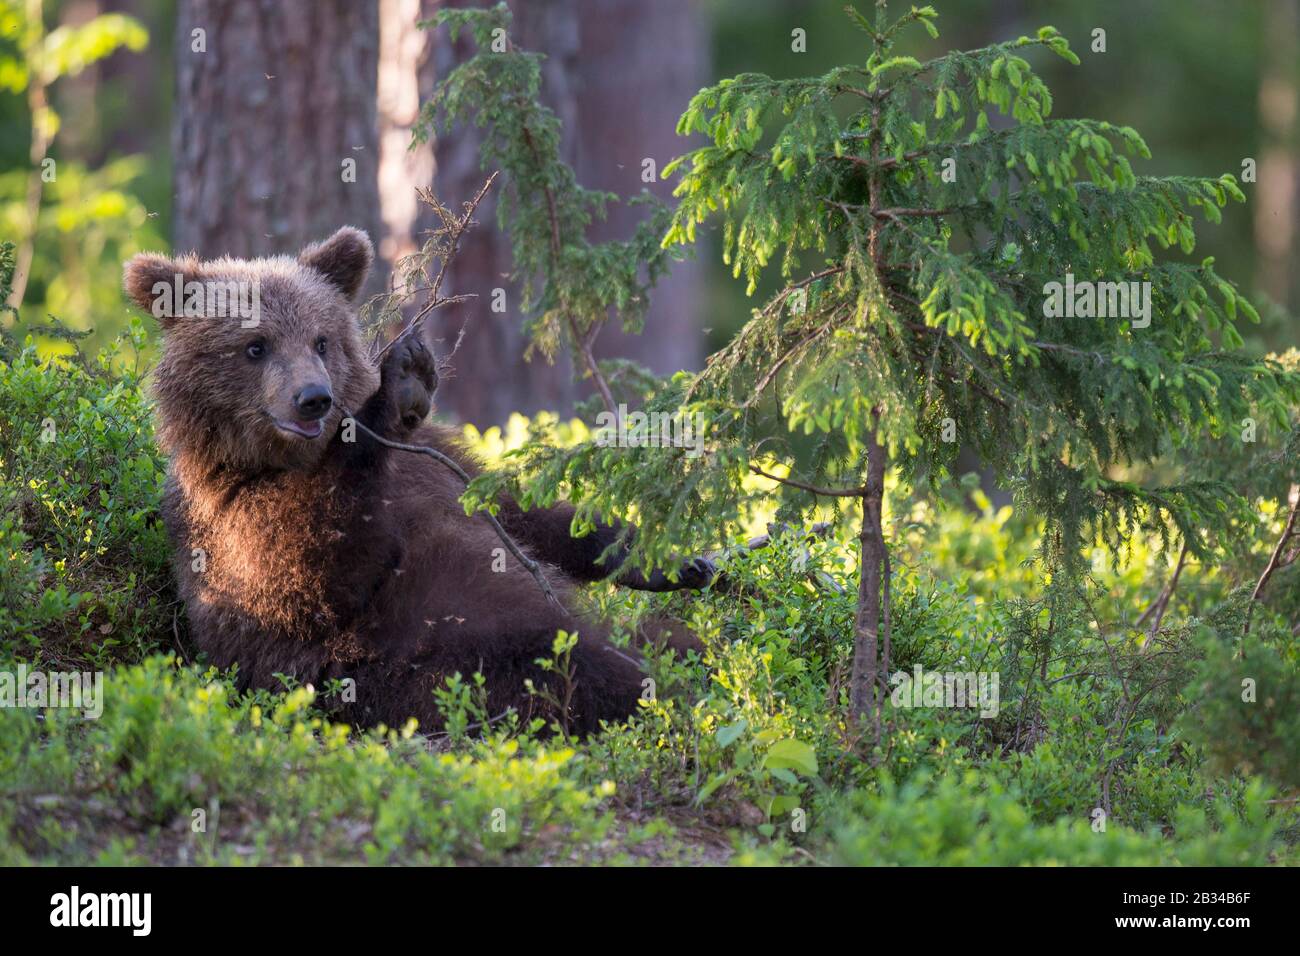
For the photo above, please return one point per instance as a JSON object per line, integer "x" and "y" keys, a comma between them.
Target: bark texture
{"x": 272, "y": 101}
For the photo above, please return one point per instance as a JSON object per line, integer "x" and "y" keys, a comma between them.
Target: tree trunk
{"x": 1278, "y": 175}
{"x": 873, "y": 574}
{"x": 617, "y": 73}
{"x": 491, "y": 378}
{"x": 872, "y": 585}
{"x": 275, "y": 136}
{"x": 640, "y": 65}
{"x": 405, "y": 82}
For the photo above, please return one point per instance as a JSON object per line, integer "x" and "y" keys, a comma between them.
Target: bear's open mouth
{"x": 303, "y": 429}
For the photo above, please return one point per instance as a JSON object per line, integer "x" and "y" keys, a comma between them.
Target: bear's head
{"x": 259, "y": 355}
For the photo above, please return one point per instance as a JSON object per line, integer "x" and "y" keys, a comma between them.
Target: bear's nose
{"x": 313, "y": 401}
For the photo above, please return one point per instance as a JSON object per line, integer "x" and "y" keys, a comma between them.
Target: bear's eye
{"x": 320, "y": 345}
{"x": 255, "y": 350}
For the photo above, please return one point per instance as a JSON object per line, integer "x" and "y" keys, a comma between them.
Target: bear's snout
{"x": 313, "y": 401}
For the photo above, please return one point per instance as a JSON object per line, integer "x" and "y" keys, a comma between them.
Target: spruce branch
{"x": 811, "y": 489}
{"x": 583, "y": 342}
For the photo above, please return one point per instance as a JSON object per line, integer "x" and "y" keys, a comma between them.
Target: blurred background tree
{"x": 616, "y": 74}
{"x": 274, "y": 132}
{"x": 1210, "y": 83}
{"x": 70, "y": 210}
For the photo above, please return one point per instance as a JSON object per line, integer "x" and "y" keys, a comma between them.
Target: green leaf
{"x": 784, "y": 775}
{"x": 716, "y": 781}
{"x": 728, "y": 735}
{"x": 792, "y": 754}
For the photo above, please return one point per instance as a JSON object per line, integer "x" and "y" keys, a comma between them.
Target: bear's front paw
{"x": 410, "y": 377}
{"x": 693, "y": 575}
{"x": 696, "y": 574}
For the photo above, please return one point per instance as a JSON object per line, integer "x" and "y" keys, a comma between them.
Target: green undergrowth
{"x": 1107, "y": 744}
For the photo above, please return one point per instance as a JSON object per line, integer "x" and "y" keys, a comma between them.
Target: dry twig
{"x": 1278, "y": 559}
{"x": 443, "y": 246}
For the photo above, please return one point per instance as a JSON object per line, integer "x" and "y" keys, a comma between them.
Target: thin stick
{"x": 811, "y": 489}
{"x": 1161, "y": 604}
{"x": 455, "y": 230}
{"x": 1276, "y": 560}
{"x": 533, "y": 567}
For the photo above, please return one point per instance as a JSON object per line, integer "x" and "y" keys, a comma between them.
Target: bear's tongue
{"x": 305, "y": 429}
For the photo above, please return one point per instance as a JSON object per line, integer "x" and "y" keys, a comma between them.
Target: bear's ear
{"x": 150, "y": 280}
{"x": 344, "y": 259}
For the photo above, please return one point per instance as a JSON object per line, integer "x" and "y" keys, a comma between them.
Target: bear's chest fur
{"x": 292, "y": 555}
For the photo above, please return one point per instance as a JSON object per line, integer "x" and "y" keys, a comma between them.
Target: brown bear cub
{"x": 305, "y": 548}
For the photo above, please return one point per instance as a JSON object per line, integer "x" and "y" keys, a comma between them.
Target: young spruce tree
{"x": 945, "y": 283}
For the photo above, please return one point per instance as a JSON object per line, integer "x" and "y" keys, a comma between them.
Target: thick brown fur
{"x": 322, "y": 558}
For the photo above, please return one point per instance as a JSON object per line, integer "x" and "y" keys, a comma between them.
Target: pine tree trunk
{"x": 267, "y": 119}
{"x": 405, "y": 82}
{"x": 491, "y": 378}
{"x": 639, "y": 63}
